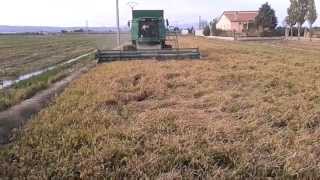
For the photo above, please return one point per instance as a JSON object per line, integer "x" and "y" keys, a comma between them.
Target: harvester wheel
{"x": 167, "y": 46}
{"x": 163, "y": 44}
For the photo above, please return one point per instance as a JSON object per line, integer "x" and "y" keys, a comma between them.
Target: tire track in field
{"x": 16, "y": 116}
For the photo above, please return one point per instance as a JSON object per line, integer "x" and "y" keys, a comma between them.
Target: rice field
{"x": 22, "y": 54}
{"x": 245, "y": 111}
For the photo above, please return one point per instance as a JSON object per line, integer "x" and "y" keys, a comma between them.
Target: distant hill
{"x": 190, "y": 25}
{"x": 49, "y": 29}
{"x": 30, "y": 29}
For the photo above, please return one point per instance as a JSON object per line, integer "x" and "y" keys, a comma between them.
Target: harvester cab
{"x": 150, "y": 36}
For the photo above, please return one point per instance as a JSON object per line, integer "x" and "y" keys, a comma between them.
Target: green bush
{"x": 280, "y": 31}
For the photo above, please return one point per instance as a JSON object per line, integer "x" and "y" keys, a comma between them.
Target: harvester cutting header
{"x": 150, "y": 35}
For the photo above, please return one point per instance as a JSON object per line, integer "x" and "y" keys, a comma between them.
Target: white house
{"x": 238, "y": 21}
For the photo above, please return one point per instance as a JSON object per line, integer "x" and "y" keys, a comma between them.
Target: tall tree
{"x": 301, "y": 14}
{"x": 266, "y": 17}
{"x": 291, "y": 19}
{"x": 311, "y": 16}
{"x": 213, "y": 27}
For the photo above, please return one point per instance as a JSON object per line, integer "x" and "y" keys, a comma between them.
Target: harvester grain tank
{"x": 149, "y": 37}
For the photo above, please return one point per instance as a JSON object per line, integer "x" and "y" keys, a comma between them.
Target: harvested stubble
{"x": 245, "y": 111}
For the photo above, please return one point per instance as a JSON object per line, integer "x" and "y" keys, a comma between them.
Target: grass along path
{"x": 245, "y": 111}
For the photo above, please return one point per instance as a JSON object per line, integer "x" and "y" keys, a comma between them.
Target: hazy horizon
{"x": 100, "y": 13}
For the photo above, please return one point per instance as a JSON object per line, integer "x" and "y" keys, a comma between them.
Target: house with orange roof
{"x": 238, "y": 21}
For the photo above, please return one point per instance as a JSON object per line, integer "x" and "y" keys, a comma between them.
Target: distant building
{"x": 184, "y": 32}
{"x": 238, "y": 21}
{"x": 199, "y": 32}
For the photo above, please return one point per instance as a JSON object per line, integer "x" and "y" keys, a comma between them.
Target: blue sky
{"x": 102, "y": 12}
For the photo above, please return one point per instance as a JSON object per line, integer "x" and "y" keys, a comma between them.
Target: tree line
{"x": 299, "y": 12}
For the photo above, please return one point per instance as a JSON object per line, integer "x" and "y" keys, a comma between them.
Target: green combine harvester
{"x": 149, "y": 36}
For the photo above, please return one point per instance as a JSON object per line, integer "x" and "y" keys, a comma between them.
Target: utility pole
{"x": 118, "y": 23}
{"x": 87, "y": 26}
{"x": 132, "y": 4}
{"x": 199, "y": 22}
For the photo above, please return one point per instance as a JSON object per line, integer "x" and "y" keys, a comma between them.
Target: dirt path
{"x": 17, "y": 115}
